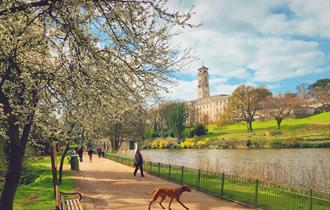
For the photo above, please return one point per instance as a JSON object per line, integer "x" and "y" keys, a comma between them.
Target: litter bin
{"x": 74, "y": 162}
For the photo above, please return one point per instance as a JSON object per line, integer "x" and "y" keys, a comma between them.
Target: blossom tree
{"x": 107, "y": 54}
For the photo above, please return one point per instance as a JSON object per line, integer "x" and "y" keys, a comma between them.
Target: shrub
{"x": 276, "y": 143}
{"x": 224, "y": 145}
{"x": 259, "y": 144}
{"x": 293, "y": 144}
{"x": 187, "y": 133}
{"x": 325, "y": 144}
{"x": 169, "y": 146}
{"x": 199, "y": 130}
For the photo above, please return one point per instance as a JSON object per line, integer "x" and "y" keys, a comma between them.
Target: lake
{"x": 302, "y": 168}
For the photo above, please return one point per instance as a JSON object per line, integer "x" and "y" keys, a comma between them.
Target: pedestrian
{"x": 80, "y": 153}
{"x": 99, "y": 150}
{"x": 138, "y": 162}
{"x": 90, "y": 154}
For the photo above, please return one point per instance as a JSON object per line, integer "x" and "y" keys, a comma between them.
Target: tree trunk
{"x": 16, "y": 152}
{"x": 249, "y": 126}
{"x": 12, "y": 176}
{"x": 67, "y": 147}
{"x": 279, "y": 121}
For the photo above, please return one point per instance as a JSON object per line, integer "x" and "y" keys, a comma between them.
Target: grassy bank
{"x": 309, "y": 132}
{"x": 250, "y": 192}
{"x": 36, "y": 189}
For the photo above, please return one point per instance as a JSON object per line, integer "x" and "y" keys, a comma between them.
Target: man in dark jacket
{"x": 80, "y": 153}
{"x": 138, "y": 162}
{"x": 90, "y": 154}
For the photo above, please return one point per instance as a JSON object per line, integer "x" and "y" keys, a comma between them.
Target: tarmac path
{"x": 109, "y": 185}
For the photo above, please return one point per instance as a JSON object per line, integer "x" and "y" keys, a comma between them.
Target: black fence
{"x": 253, "y": 193}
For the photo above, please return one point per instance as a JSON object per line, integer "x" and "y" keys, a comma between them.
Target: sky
{"x": 277, "y": 43}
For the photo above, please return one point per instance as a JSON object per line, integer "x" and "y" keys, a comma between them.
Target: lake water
{"x": 303, "y": 168}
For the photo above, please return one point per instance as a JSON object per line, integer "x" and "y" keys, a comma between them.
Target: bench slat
{"x": 67, "y": 204}
{"x": 73, "y": 204}
{"x": 77, "y": 204}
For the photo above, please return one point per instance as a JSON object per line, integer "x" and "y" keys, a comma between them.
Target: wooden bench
{"x": 67, "y": 201}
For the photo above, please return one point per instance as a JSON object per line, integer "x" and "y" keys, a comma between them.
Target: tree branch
{"x": 25, "y": 6}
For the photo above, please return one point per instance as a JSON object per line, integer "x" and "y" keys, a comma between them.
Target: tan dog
{"x": 169, "y": 192}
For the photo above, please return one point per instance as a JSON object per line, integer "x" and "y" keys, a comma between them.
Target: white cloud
{"x": 182, "y": 90}
{"x": 279, "y": 59}
{"x": 245, "y": 40}
{"x": 185, "y": 90}
{"x": 220, "y": 86}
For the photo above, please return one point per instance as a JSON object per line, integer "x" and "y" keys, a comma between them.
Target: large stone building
{"x": 206, "y": 108}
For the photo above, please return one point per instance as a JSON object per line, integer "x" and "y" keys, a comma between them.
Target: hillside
{"x": 313, "y": 130}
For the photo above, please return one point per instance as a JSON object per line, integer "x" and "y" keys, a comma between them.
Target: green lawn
{"x": 270, "y": 197}
{"x": 38, "y": 195}
{"x": 315, "y": 129}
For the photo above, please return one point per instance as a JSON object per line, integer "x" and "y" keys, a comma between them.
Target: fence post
{"x": 181, "y": 174}
{"x": 222, "y": 183}
{"x": 256, "y": 195}
{"x": 159, "y": 169}
{"x": 169, "y": 171}
{"x": 199, "y": 179}
{"x": 311, "y": 200}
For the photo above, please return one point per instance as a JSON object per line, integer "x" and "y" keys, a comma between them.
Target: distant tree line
{"x": 248, "y": 103}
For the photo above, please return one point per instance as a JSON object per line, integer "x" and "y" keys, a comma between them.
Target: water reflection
{"x": 305, "y": 168}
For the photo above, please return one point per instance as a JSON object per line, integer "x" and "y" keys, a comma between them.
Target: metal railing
{"x": 253, "y": 193}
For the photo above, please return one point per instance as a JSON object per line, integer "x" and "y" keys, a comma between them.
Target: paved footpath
{"x": 108, "y": 185}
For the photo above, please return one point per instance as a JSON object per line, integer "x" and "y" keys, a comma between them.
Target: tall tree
{"x": 127, "y": 125}
{"x": 320, "y": 91}
{"x": 280, "y": 107}
{"x": 156, "y": 116}
{"x": 108, "y": 52}
{"x": 244, "y": 103}
{"x": 175, "y": 115}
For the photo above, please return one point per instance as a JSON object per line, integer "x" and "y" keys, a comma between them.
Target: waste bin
{"x": 74, "y": 162}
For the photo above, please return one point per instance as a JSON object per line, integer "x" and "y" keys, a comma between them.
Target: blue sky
{"x": 277, "y": 43}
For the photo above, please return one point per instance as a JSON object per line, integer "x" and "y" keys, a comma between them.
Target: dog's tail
{"x": 150, "y": 193}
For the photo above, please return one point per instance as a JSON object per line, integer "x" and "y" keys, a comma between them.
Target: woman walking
{"x": 138, "y": 161}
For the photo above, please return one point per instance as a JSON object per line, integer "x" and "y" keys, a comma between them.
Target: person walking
{"x": 80, "y": 154}
{"x": 99, "y": 151}
{"x": 138, "y": 162}
{"x": 90, "y": 154}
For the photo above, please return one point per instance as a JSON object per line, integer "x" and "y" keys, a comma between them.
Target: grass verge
{"x": 36, "y": 193}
